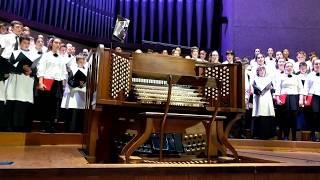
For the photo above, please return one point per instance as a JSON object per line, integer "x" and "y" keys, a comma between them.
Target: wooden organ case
{"x": 153, "y": 93}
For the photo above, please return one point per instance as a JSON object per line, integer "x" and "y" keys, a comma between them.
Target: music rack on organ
{"x": 153, "y": 93}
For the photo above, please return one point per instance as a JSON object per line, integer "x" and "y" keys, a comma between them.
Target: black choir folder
{"x": 80, "y": 76}
{"x": 74, "y": 81}
{"x": 5, "y": 66}
{"x": 22, "y": 60}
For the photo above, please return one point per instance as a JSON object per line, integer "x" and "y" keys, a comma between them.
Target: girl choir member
{"x": 312, "y": 88}
{"x": 289, "y": 93}
{"x": 230, "y": 57}
{"x": 214, "y": 57}
{"x": 52, "y": 75}
{"x": 262, "y": 110}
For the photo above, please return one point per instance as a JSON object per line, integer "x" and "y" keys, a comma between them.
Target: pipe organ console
{"x": 152, "y": 93}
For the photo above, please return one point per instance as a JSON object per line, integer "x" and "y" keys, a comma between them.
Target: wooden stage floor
{"x": 67, "y": 162}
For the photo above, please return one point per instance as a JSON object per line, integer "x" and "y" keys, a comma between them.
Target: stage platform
{"x": 280, "y": 160}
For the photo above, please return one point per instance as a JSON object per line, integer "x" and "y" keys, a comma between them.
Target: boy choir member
{"x": 3, "y": 29}
{"x": 312, "y": 88}
{"x": 263, "y": 109}
{"x": 3, "y": 77}
{"x": 74, "y": 95}
{"x": 52, "y": 74}
{"x": 289, "y": 93}
{"x": 19, "y": 89}
{"x": 8, "y": 43}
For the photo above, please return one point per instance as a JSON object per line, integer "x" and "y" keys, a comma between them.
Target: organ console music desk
{"x": 161, "y": 94}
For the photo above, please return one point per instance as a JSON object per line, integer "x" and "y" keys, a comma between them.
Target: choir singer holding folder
{"x": 73, "y": 101}
{"x": 19, "y": 89}
{"x": 263, "y": 109}
{"x": 52, "y": 73}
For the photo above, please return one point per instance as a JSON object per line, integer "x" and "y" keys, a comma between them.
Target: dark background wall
{"x": 293, "y": 24}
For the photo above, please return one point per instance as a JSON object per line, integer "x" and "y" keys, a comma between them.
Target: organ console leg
{"x": 226, "y": 135}
{"x": 220, "y": 134}
{"x": 92, "y": 137}
{"x": 141, "y": 138}
{"x": 211, "y": 138}
{"x": 163, "y": 122}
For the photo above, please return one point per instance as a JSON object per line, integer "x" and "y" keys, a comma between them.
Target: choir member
{"x": 279, "y": 55}
{"x": 230, "y": 57}
{"x": 260, "y": 61}
{"x": 271, "y": 61}
{"x": 3, "y": 77}
{"x": 178, "y": 50}
{"x": 248, "y": 98}
{"x": 70, "y": 58}
{"x": 203, "y": 55}
{"x": 312, "y": 88}
{"x": 195, "y": 53}
{"x": 214, "y": 57}
{"x": 175, "y": 53}
{"x": 26, "y": 31}
{"x": 74, "y": 96}
{"x": 164, "y": 52}
{"x": 253, "y": 61}
{"x": 138, "y": 51}
{"x": 301, "y": 57}
{"x": 52, "y": 74}
{"x": 286, "y": 55}
{"x": 85, "y": 53}
{"x": 44, "y": 48}
{"x": 3, "y": 29}
{"x": 63, "y": 50}
{"x": 280, "y": 110}
{"x": 39, "y": 46}
{"x": 19, "y": 90}
{"x": 263, "y": 109}
{"x": 289, "y": 93}
{"x": 304, "y": 114}
{"x": 118, "y": 49}
{"x": 10, "y": 41}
